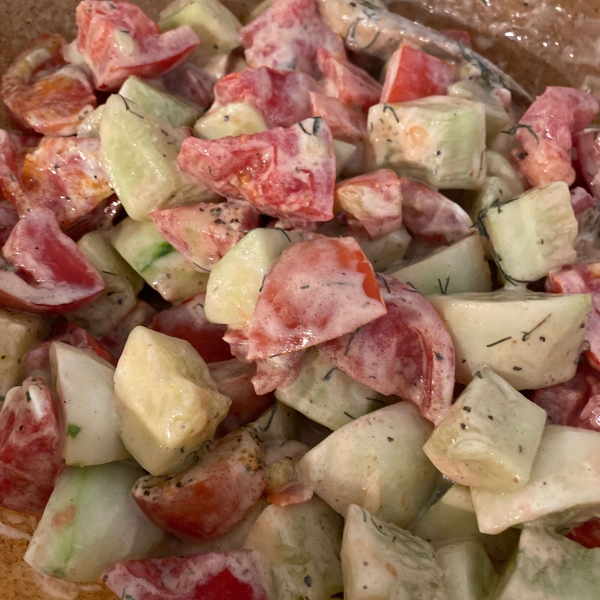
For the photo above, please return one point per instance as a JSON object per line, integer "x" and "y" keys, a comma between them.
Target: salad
{"x": 303, "y": 307}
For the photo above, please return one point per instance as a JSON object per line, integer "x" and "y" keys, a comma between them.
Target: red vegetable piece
{"x": 407, "y": 353}
{"x": 204, "y": 232}
{"x": 30, "y": 447}
{"x": 8, "y": 219}
{"x": 347, "y": 123}
{"x": 287, "y": 35}
{"x": 282, "y": 172}
{"x": 414, "y": 74}
{"x": 545, "y": 132}
{"x": 192, "y": 83}
{"x": 589, "y": 417}
{"x": 61, "y": 277}
{"x": 460, "y": 35}
{"x": 587, "y": 534}
{"x": 234, "y": 380}
{"x": 318, "y": 290}
{"x": 208, "y": 498}
{"x": 375, "y": 199}
{"x": 213, "y": 576}
{"x": 588, "y": 152}
{"x": 277, "y": 371}
{"x": 45, "y": 94}
{"x": 431, "y": 215}
{"x": 141, "y": 314}
{"x": 102, "y": 217}
{"x": 187, "y": 321}
{"x": 282, "y": 97}
{"x": 116, "y": 40}
{"x": 347, "y": 82}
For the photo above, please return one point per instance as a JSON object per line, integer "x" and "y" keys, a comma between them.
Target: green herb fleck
{"x": 73, "y": 430}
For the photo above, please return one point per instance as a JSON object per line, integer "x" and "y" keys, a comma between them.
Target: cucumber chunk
{"x": 532, "y": 340}
{"x": 280, "y": 422}
{"x": 498, "y": 166}
{"x": 494, "y": 191}
{"x": 233, "y": 119}
{"x": 90, "y": 126}
{"x": 163, "y": 268}
{"x": 166, "y": 399}
{"x": 327, "y": 395}
{"x": 438, "y": 140}
{"x": 343, "y": 153}
{"x": 459, "y": 268}
{"x": 377, "y": 462}
{"x": 382, "y": 561}
{"x": 383, "y": 252}
{"x": 85, "y": 387}
{"x": 90, "y": 523}
{"x": 490, "y": 436}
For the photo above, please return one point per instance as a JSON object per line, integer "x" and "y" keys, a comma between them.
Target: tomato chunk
{"x": 8, "y": 219}
{"x": 587, "y": 534}
{"x": 347, "y": 123}
{"x": 208, "y": 498}
{"x": 277, "y": 371}
{"x": 102, "y": 217}
{"x": 187, "y": 321}
{"x": 213, "y": 576}
{"x": 282, "y": 172}
{"x": 407, "y": 353}
{"x": 62, "y": 278}
{"x": 287, "y": 35}
{"x": 141, "y": 314}
{"x": 191, "y": 82}
{"x": 414, "y": 74}
{"x": 546, "y": 133}
{"x": 588, "y": 151}
{"x": 116, "y": 40}
{"x": 45, "y": 94}
{"x": 318, "y": 290}
{"x": 30, "y": 447}
{"x": 282, "y": 97}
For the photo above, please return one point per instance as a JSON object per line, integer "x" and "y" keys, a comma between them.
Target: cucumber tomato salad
{"x": 298, "y": 301}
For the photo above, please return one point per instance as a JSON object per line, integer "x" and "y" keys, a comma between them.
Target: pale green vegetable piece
{"x": 343, "y": 154}
{"x": 531, "y": 339}
{"x": 494, "y": 191}
{"x": 377, "y": 462}
{"x": 90, "y": 523}
{"x": 280, "y": 422}
{"x": 233, "y": 119}
{"x": 438, "y": 140}
{"x": 380, "y": 561}
{"x": 90, "y": 126}
{"x": 498, "y": 166}
{"x": 489, "y": 437}
{"x": 383, "y": 252}
{"x": 300, "y": 545}
{"x": 167, "y": 401}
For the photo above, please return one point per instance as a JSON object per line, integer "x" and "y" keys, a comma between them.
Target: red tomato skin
{"x": 208, "y": 498}
{"x": 587, "y": 144}
{"x": 347, "y": 123}
{"x": 413, "y": 74}
{"x": 281, "y": 97}
{"x": 187, "y": 321}
{"x": 460, "y": 35}
{"x": 30, "y": 447}
{"x": 214, "y": 576}
{"x": 587, "y": 534}
{"x": 154, "y": 55}
{"x": 100, "y": 218}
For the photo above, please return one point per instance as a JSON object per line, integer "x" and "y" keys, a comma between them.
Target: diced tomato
{"x": 208, "y": 498}
{"x": 45, "y": 94}
{"x": 141, "y": 314}
{"x": 192, "y": 83}
{"x": 234, "y": 380}
{"x": 318, "y": 290}
{"x": 282, "y": 172}
{"x": 347, "y": 82}
{"x": 347, "y": 123}
{"x": 287, "y": 35}
{"x": 431, "y": 215}
{"x": 374, "y": 199}
{"x": 406, "y": 353}
{"x": 238, "y": 344}
{"x": 413, "y": 74}
{"x": 8, "y": 219}
{"x": 61, "y": 277}
{"x": 589, "y": 417}
{"x": 187, "y": 321}
{"x": 460, "y": 35}
{"x": 588, "y": 151}
{"x": 545, "y": 132}
{"x": 100, "y": 218}
{"x": 30, "y": 447}
{"x": 204, "y": 232}
{"x": 587, "y": 534}
{"x": 116, "y": 40}
{"x": 277, "y": 371}
{"x": 213, "y": 576}
{"x": 282, "y": 97}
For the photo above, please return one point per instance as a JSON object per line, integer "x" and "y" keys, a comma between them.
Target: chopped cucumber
{"x": 19, "y": 332}
{"x": 327, "y": 395}
{"x": 494, "y": 191}
{"x": 233, "y": 119}
{"x": 383, "y": 252}
{"x": 563, "y": 489}
{"x": 278, "y": 423}
{"x": 498, "y": 166}
{"x": 343, "y": 153}
{"x": 167, "y": 401}
{"x": 90, "y": 126}
{"x": 382, "y": 561}
{"x": 533, "y": 234}
{"x": 490, "y": 437}
{"x": 235, "y": 281}
{"x": 161, "y": 104}
{"x": 438, "y": 140}
{"x": 300, "y": 545}
{"x": 530, "y": 339}
{"x": 377, "y": 462}
{"x": 90, "y": 523}
{"x": 459, "y": 268}
{"x": 85, "y": 387}
{"x": 163, "y": 268}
